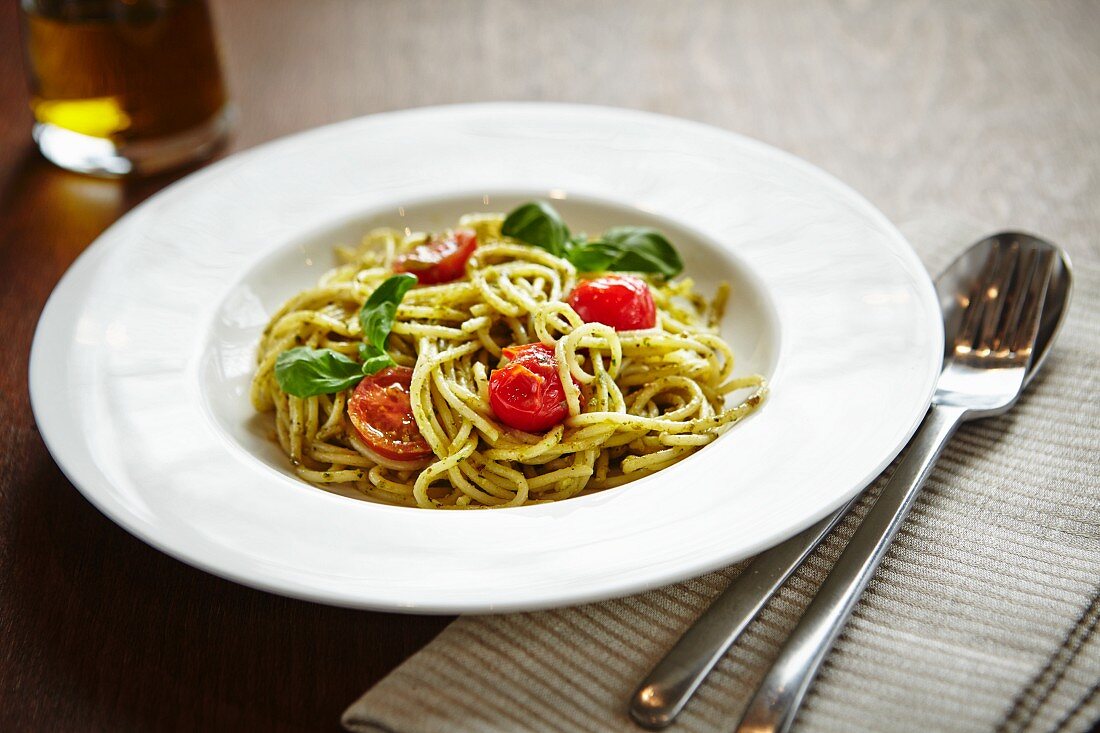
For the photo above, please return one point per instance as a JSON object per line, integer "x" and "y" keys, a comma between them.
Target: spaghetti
{"x": 637, "y": 401}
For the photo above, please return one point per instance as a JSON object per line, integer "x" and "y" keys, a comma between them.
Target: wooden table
{"x": 100, "y": 632}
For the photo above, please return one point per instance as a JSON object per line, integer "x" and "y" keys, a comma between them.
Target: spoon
{"x": 668, "y": 687}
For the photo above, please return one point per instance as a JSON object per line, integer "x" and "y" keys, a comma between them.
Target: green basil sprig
{"x": 619, "y": 249}
{"x": 305, "y": 372}
{"x": 642, "y": 249}
{"x": 539, "y": 224}
{"x": 376, "y": 321}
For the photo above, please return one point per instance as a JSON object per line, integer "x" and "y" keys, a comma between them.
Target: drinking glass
{"x": 124, "y": 87}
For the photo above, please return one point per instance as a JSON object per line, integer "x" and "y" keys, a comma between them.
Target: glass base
{"x": 99, "y": 156}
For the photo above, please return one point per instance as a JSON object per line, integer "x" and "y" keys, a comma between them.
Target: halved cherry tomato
{"x": 381, "y": 413}
{"x": 527, "y": 393}
{"x": 623, "y": 302}
{"x": 439, "y": 260}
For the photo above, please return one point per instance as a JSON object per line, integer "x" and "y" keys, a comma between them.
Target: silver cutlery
{"x": 1003, "y": 301}
{"x": 671, "y": 683}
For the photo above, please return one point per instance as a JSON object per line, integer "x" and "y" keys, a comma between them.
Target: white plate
{"x": 142, "y": 356}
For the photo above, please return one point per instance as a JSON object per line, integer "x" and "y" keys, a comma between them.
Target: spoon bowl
{"x": 956, "y": 279}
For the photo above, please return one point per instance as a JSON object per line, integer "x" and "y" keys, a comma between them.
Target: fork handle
{"x": 774, "y": 706}
{"x": 670, "y": 684}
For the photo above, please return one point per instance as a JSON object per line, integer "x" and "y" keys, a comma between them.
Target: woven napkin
{"x": 982, "y": 617}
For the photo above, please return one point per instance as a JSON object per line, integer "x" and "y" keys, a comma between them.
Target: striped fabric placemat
{"x": 982, "y": 618}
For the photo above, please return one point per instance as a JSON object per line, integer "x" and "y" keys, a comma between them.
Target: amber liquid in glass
{"x": 130, "y": 72}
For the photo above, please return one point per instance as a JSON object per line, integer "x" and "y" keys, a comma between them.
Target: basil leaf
{"x": 622, "y": 249}
{"x": 643, "y": 249}
{"x": 537, "y": 224}
{"x": 376, "y": 320}
{"x": 593, "y": 256}
{"x": 373, "y": 360}
{"x": 304, "y": 372}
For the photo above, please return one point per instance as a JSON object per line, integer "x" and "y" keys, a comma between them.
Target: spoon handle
{"x": 776, "y": 702}
{"x": 671, "y": 683}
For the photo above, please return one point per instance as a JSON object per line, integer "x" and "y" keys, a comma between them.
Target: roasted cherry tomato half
{"x": 527, "y": 393}
{"x": 439, "y": 260}
{"x": 623, "y": 302}
{"x": 381, "y": 413}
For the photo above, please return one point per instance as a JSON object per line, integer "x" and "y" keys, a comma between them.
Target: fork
{"x": 984, "y": 372}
